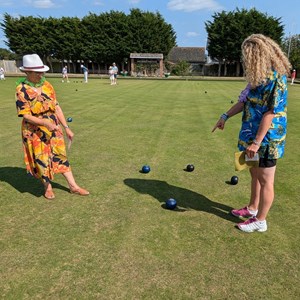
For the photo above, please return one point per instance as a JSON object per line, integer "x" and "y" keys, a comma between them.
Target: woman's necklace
{"x": 35, "y": 85}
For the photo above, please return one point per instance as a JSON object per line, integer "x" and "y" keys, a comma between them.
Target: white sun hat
{"x": 33, "y": 63}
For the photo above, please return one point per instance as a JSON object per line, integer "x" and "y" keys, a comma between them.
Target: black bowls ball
{"x": 190, "y": 168}
{"x": 234, "y": 180}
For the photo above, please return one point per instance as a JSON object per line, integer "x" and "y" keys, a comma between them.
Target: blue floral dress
{"x": 265, "y": 97}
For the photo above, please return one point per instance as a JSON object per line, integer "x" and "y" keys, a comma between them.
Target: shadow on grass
{"x": 23, "y": 182}
{"x": 186, "y": 199}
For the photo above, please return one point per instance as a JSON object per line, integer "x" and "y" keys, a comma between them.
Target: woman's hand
{"x": 51, "y": 126}
{"x": 220, "y": 124}
{"x": 69, "y": 134}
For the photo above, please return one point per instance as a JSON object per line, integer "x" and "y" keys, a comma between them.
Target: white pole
{"x": 289, "y": 48}
{"x": 290, "y": 39}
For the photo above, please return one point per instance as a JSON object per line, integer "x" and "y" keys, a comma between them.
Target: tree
{"x": 69, "y": 40}
{"x": 23, "y": 34}
{"x": 28, "y": 35}
{"x": 105, "y": 38}
{"x": 228, "y": 30}
{"x": 149, "y": 33}
{"x": 291, "y": 46}
{"x": 6, "y": 54}
{"x": 181, "y": 68}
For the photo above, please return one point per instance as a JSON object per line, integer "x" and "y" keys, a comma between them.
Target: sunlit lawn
{"x": 120, "y": 242}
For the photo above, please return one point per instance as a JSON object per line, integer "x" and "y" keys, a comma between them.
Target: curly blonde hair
{"x": 261, "y": 55}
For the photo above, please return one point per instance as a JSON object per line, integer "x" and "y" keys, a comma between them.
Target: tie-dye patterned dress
{"x": 44, "y": 151}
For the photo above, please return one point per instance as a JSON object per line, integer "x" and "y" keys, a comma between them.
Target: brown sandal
{"x": 79, "y": 191}
{"x": 49, "y": 195}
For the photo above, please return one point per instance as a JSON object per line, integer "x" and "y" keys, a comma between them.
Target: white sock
{"x": 261, "y": 222}
{"x": 253, "y": 212}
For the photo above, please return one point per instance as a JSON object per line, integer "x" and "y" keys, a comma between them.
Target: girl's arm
{"x": 262, "y": 131}
{"x": 235, "y": 109}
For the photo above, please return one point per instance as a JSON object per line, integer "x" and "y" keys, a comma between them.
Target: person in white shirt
{"x": 2, "y": 76}
{"x": 65, "y": 74}
{"x": 85, "y": 73}
{"x": 111, "y": 75}
{"x": 115, "y": 72}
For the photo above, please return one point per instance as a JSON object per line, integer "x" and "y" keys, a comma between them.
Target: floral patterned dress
{"x": 44, "y": 151}
{"x": 270, "y": 96}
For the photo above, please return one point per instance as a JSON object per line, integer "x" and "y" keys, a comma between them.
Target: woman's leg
{"x": 48, "y": 191}
{"x": 74, "y": 187}
{"x": 70, "y": 179}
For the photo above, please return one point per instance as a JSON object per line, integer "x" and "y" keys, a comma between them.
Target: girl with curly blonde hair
{"x": 261, "y": 55}
{"x": 263, "y": 131}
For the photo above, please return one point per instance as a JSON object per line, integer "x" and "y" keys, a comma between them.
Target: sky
{"x": 187, "y": 17}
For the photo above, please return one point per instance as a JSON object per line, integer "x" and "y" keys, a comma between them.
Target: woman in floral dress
{"x": 42, "y": 135}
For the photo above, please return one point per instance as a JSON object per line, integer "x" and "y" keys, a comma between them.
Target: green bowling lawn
{"x": 120, "y": 242}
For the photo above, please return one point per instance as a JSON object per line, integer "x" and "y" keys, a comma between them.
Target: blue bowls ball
{"x": 146, "y": 169}
{"x": 69, "y": 119}
{"x": 171, "y": 203}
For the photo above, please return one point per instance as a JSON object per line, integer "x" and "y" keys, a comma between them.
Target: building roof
{"x": 188, "y": 54}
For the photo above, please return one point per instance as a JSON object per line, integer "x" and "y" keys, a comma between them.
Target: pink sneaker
{"x": 252, "y": 225}
{"x": 243, "y": 212}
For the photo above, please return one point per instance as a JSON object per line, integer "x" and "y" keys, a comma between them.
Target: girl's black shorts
{"x": 267, "y": 163}
{"x": 264, "y": 162}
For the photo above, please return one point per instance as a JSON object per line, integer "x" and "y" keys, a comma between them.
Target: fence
{"x": 9, "y": 66}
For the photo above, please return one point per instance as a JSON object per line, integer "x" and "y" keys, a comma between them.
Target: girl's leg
{"x": 251, "y": 209}
{"x": 255, "y": 189}
{"x": 266, "y": 178}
